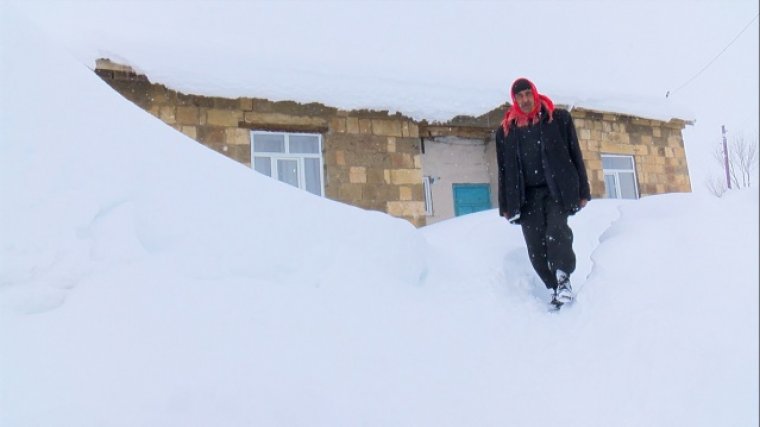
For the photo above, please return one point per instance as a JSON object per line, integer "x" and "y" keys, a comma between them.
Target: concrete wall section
{"x": 449, "y": 161}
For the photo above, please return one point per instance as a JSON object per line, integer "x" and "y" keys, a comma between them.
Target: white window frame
{"x": 287, "y": 155}
{"x": 615, "y": 173}
{"x": 427, "y": 182}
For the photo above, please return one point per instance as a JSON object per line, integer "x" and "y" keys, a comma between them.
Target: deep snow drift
{"x": 146, "y": 280}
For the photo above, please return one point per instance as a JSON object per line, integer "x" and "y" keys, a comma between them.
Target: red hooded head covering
{"x": 516, "y": 115}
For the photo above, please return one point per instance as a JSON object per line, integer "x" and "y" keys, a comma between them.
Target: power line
{"x": 671, "y": 92}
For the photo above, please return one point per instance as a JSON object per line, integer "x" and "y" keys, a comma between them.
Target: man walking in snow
{"x": 542, "y": 180}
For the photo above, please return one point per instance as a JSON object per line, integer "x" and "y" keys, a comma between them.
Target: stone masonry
{"x": 371, "y": 158}
{"x": 656, "y": 146}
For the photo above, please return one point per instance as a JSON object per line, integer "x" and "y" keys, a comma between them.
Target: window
{"x": 619, "y": 177}
{"x": 293, "y": 158}
{"x": 427, "y": 181}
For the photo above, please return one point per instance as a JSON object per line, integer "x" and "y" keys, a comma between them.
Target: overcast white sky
{"x": 437, "y": 59}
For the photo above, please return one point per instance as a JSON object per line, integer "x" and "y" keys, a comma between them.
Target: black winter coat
{"x": 562, "y": 160}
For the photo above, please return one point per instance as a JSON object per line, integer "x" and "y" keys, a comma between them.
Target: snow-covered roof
{"x": 364, "y": 94}
{"x": 436, "y": 60}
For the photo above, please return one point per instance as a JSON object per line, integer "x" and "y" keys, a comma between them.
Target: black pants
{"x": 547, "y": 235}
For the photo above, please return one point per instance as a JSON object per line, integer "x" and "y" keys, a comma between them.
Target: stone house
{"x": 422, "y": 172}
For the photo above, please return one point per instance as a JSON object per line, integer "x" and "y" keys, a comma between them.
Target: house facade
{"x": 414, "y": 170}
{"x": 626, "y": 157}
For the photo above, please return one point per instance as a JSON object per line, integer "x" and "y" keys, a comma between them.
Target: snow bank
{"x": 146, "y": 280}
{"x": 98, "y": 183}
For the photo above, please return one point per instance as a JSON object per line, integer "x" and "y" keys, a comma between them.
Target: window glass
{"x": 294, "y": 159}
{"x": 627, "y": 185}
{"x": 614, "y": 162}
{"x": 304, "y": 144}
{"x": 313, "y": 180}
{"x": 287, "y": 171}
{"x": 611, "y": 186}
{"x": 268, "y": 143}
{"x": 263, "y": 165}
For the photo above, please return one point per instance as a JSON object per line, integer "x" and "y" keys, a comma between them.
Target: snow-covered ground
{"x": 146, "y": 280}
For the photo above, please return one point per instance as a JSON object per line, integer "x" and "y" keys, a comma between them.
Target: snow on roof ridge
{"x": 651, "y": 109}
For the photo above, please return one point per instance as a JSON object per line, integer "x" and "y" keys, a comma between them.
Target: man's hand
{"x": 583, "y": 203}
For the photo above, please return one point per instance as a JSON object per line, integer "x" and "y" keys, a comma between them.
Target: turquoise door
{"x": 469, "y": 198}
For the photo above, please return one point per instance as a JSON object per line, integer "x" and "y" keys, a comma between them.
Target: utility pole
{"x": 725, "y": 156}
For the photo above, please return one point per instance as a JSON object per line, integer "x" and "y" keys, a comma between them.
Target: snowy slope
{"x": 146, "y": 280}
{"x": 130, "y": 179}
{"x": 664, "y": 330}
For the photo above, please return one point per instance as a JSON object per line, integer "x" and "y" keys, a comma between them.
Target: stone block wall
{"x": 374, "y": 162}
{"x": 656, "y": 146}
{"x": 371, "y": 158}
